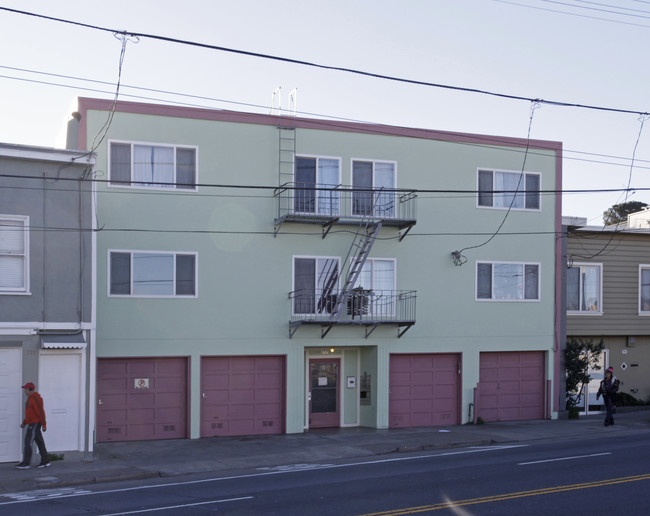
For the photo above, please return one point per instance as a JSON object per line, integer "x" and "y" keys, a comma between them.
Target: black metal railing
{"x": 300, "y": 200}
{"x": 362, "y": 306}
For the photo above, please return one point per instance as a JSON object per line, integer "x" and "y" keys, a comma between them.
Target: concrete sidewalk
{"x": 228, "y": 455}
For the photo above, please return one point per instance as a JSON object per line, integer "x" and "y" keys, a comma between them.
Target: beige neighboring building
{"x": 608, "y": 297}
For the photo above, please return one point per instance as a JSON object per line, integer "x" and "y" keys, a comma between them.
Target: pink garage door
{"x": 424, "y": 390}
{"x": 141, "y": 398}
{"x": 511, "y": 386}
{"x": 242, "y": 395}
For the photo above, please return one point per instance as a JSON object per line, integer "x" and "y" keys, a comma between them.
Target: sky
{"x": 571, "y": 51}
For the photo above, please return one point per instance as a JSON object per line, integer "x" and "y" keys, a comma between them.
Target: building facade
{"x": 608, "y": 298}
{"x": 46, "y": 295}
{"x": 259, "y": 274}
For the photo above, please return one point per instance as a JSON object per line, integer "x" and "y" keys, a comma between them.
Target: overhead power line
{"x": 328, "y": 67}
{"x": 317, "y": 188}
{"x": 328, "y": 120}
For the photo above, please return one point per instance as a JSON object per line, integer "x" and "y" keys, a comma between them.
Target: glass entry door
{"x": 588, "y": 402}
{"x": 324, "y": 393}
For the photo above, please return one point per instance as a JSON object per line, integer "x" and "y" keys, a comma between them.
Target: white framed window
{"x": 374, "y": 183}
{"x": 507, "y": 281}
{"x": 317, "y": 180}
{"x": 14, "y": 254}
{"x": 152, "y": 274}
{"x": 584, "y": 288}
{"x": 502, "y": 189}
{"x": 315, "y": 284}
{"x": 375, "y": 287}
{"x": 644, "y": 289}
{"x": 153, "y": 165}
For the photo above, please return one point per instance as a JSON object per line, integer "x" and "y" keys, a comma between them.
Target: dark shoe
{"x": 22, "y": 466}
{"x": 44, "y": 465}
{"x": 606, "y": 423}
{"x": 611, "y": 422}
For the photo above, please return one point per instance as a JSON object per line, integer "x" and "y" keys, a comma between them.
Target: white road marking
{"x": 166, "y": 508}
{"x": 478, "y": 449}
{"x": 564, "y": 458}
{"x": 42, "y": 494}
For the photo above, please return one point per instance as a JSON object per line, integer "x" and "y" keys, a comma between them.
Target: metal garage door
{"x": 424, "y": 390}
{"x": 511, "y": 386}
{"x": 242, "y": 395}
{"x": 141, "y": 398}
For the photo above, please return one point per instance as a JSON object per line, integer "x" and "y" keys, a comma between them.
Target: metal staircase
{"x": 364, "y": 239}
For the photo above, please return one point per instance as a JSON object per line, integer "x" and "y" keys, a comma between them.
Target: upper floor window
{"x": 374, "y": 188}
{"x": 644, "y": 289}
{"x": 152, "y": 274}
{"x": 317, "y": 180}
{"x": 152, "y": 166}
{"x": 14, "y": 254}
{"x": 315, "y": 284}
{"x": 584, "y": 288}
{"x": 507, "y": 281}
{"x": 499, "y": 189}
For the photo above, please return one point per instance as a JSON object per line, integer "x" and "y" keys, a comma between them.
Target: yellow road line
{"x": 511, "y": 496}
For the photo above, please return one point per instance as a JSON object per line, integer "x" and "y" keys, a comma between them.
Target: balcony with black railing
{"x": 369, "y": 308}
{"x": 337, "y": 204}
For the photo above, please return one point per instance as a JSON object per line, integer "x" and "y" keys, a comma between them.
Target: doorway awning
{"x": 73, "y": 341}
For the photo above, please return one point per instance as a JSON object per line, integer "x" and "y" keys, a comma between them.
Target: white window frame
{"x": 174, "y": 254}
{"x": 376, "y": 303}
{"x": 293, "y": 277}
{"x": 492, "y": 299}
{"x": 521, "y": 190}
{"x": 600, "y": 290}
{"x": 25, "y": 288}
{"x": 642, "y": 312}
{"x": 143, "y": 186}
{"x": 318, "y": 192}
{"x": 374, "y": 182}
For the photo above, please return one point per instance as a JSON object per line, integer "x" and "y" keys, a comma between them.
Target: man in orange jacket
{"x": 34, "y": 420}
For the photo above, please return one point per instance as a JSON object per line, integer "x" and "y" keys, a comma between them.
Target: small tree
{"x": 579, "y": 356}
{"x": 619, "y": 212}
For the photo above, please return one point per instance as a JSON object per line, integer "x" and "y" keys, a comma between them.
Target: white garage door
{"x": 10, "y": 404}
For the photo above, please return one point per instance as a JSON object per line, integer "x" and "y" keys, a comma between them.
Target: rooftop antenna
{"x": 276, "y": 101}
{"x": 293, "y": 102}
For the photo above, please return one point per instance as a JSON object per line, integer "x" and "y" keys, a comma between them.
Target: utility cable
{"x": 327, "y": 67}
{"x": 458, "y": 257}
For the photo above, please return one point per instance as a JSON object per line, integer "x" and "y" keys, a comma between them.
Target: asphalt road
{"x": 593, "y": 476}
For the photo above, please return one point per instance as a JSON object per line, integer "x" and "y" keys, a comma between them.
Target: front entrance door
{"x": 324, "y": 404}
{"x": 592, "y": 405}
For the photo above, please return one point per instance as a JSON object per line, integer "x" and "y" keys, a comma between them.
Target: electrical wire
{"x": 329, "y": 120}
{"x": 144, "y": 190}
{"x": 458, "y": 257}
{"x": 572, "y": 14}
{"x": 327, "y": 67}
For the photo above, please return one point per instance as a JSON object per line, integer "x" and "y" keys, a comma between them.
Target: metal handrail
{"x": 347, "y": 202}
{"x": 362, "y": 306}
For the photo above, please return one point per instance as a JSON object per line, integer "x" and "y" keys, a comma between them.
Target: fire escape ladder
{"x": 331, "y": 276}
{"x": 286, "y": 157}
{"x": 357, "y": 255}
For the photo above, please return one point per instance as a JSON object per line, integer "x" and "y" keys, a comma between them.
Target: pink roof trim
{"x": 303, "y": 123}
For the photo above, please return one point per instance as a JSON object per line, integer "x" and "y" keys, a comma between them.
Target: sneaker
{"x": 43, "y": 465}
{"x": 22, "y": 466}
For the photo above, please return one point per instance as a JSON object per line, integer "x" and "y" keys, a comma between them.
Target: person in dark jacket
{"x": 608, "y": 389}
{"x": 34, "y": 421}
